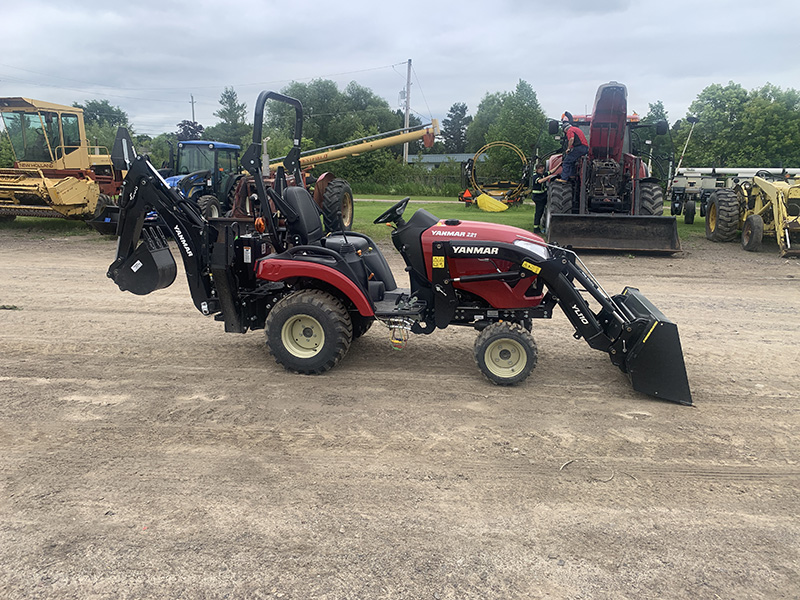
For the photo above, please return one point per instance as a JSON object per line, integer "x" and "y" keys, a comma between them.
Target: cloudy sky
{"x": 150, "y": 57}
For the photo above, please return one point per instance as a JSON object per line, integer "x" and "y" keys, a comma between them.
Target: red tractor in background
{"x": 613, "y": 203}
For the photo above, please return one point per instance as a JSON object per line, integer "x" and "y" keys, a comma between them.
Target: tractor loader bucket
{"x": 106, "y": 222}
{"x": 653, "y": 355}
{"x": 614, "y": 232}
{"x": 149, "y": 268}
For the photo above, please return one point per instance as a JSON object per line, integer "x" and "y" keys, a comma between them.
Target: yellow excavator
{"x": 56, "y": 173}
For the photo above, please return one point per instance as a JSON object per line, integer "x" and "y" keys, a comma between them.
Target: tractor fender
{"x": 278, "y": 269}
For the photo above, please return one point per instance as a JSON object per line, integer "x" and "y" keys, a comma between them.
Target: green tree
{"x": 717, "y": 134}
{"x": 520, "y": 120}
{"x": 158, "y": 148}
{"x": 233, "y": 127}
{"x": 737, "y": 128}
{"x": 454, "y": 128}
{"x": 189, "y": 130}
{"x": 102, "y": 120}
{"x": 100, "y": 112}
{"x": 514, "y": 117}
{"x": 658, "y": 150}
{"x": 487, "y": 113}
{"x": 330, "y": 116}
{"x": 6, "y": 152}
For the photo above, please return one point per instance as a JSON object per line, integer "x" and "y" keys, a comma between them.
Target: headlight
{"x": 537, "y": 249}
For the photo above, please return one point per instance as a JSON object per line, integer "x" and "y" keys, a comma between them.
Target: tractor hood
{"x": 174, "y": 180}
{"x": 609, "y": 116}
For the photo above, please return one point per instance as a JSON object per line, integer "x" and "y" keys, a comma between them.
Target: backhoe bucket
{"x": 614, "y": 232}
{"x": 654, "y": 359}
{"x": 150, "y": 267}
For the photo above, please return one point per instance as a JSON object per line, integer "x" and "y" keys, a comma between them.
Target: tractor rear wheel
{"x": 752, "y": 233}
{"x": 308, "y": 332}
{"x": 559, "y": 200}
{"x": 209, "y": 207}
{"x": 652, "y": 199}
{"x": 506, "y": 353}
{"x": 722, "y": 216}
{"x": 338, "y": 198}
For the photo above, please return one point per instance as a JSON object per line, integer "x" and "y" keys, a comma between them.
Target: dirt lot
{"x": 146, "y": 453}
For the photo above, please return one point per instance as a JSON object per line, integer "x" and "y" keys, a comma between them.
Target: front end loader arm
{"x": 638, "y": 338}
{"x": 144, "y": 263}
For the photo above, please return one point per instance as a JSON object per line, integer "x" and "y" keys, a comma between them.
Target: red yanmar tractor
{"x": 314, "y": 294}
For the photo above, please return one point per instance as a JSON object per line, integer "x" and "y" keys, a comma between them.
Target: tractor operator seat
{"x": 307, "y": 226}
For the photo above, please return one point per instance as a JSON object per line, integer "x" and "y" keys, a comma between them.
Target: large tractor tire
{"x": 752, "y": 233}
{"x": 722, "y": 216}
{"x": 652, "y": 199}
{"x": 559, "y": 200}
{"x": 506, "y": 353}
{"x": 308, "y": 332}
{"x": 103, "y": 200}
{"x": 338, "y": 198}
{"x": 209, "y": 207}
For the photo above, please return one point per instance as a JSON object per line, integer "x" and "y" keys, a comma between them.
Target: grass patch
{"x": 62, "y": 227}
{"x": 366, "y": 212}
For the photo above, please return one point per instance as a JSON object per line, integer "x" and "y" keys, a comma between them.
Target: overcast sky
{"x": 149, "y": 57}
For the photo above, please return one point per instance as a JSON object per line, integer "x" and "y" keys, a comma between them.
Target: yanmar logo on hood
{"x": 475, "y": 250}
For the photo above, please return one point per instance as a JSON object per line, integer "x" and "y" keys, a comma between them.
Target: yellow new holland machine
{"x": 56, "y": 173}
{"x": 767, "y": 205}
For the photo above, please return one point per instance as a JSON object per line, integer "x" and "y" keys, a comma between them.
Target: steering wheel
{"x": 395, "y": 213}
{"x": 763, "y": 173}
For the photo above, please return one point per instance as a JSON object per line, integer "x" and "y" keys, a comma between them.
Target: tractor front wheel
{"x": 103, "y": 200}
{"x": 559, "y": 200}
{"x": 722, "y": 216}
{"x": 652, "y": 199}
{"x": 209, "y": 207}
{"x": 752, "y": 233}
{"x": 506, "y": 353}
{"x": 308, "y": 332}
{"x": 338, "y": 198}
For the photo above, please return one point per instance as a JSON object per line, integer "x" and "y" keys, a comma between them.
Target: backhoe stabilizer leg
{"x": 649, "y": 351}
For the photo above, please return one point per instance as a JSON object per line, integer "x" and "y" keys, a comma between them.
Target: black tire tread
{"x": 205, "y": 203}
{"x": 336, "y": 191}
{"x": 508, "y": 330}
{"x": 652, "y": 199}
{"x": 727, "y": 211}
{"x": 338, "y": 319}
{"x": 752, "y": 233}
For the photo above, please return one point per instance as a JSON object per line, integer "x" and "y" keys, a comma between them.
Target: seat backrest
{"x": 307, "y": 226}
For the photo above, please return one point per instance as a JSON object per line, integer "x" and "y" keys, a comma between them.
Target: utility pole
{"x": 408, "y": 108}
{"x": 192, "y": 97}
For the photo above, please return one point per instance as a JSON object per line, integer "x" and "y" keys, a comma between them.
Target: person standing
{"x": 577, "y": 147}
{"x": 539, "y": 196}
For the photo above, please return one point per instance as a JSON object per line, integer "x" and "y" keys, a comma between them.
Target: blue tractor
{"x": 205, "y": 172}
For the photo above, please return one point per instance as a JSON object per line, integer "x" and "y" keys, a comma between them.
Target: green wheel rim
{"x": 303, "y": 336}
{"x": 505, "y": 358}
